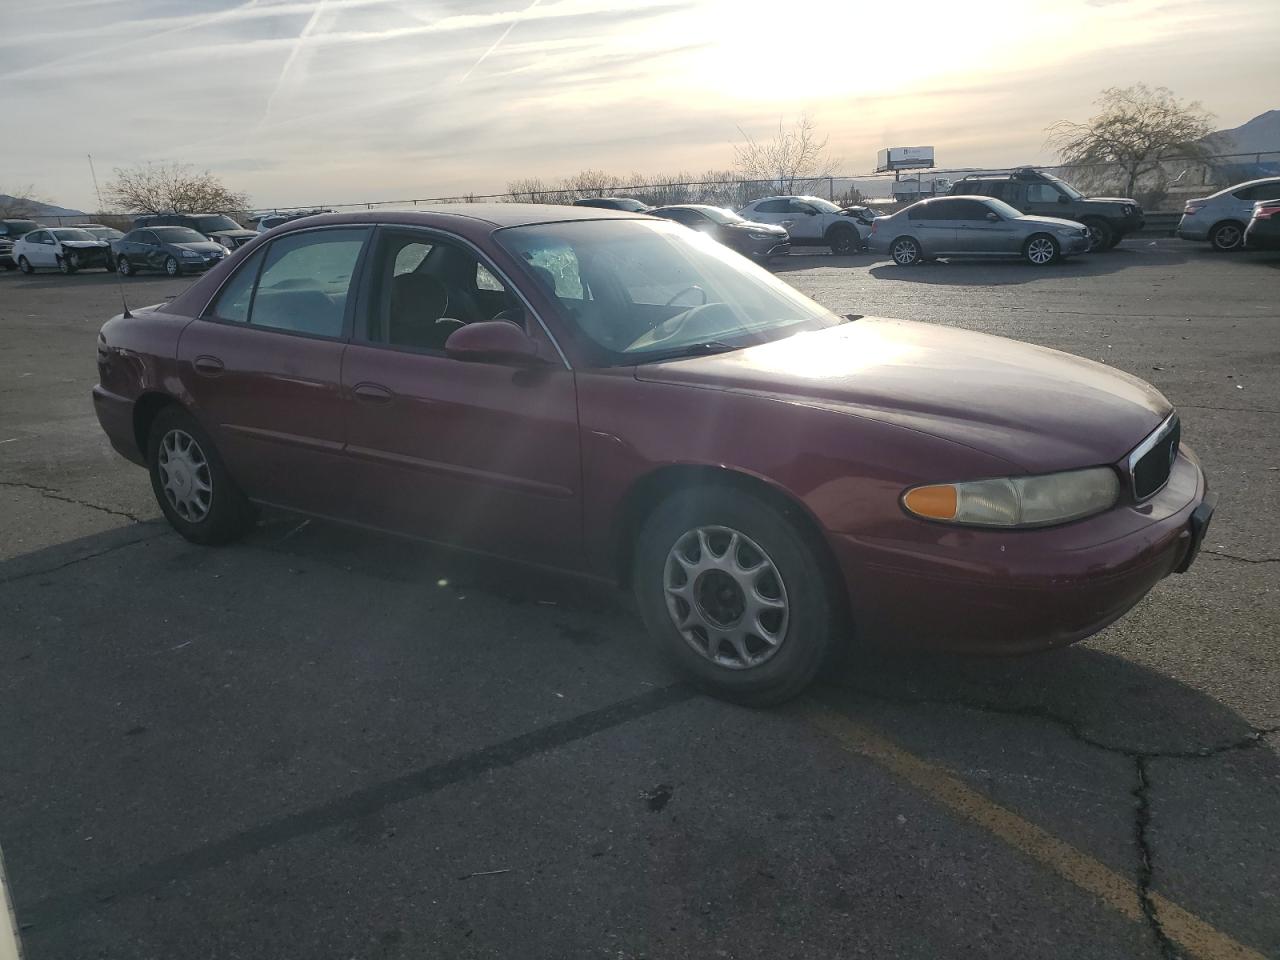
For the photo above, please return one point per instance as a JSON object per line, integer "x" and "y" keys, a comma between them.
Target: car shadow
{"x": 956, "y": 271}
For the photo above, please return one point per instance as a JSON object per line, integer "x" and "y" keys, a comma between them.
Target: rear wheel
{"x": 193, "y": 488}
{"x": 905, "y": 251}
{"x": 172, "y": 267}
{"x": 25, "y": 265}
{"x": 124, "y": 267}
{"x": 1227, "y": 236}
{"x": 1100, "y": 234}
{"x": 1040, "y": 250}
{"x": 732, "y": 590}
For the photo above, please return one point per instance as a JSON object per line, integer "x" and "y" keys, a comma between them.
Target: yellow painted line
{"x": 9, "y": 947}
{"x": 1194, "y": 935}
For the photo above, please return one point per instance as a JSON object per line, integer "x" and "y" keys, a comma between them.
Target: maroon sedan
{"x": 623, "y": 398}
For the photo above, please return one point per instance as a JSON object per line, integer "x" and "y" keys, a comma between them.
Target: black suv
{"x": 216, "y": 226}
{"x": 11, "y": 230}
{"x": 1108, "y": 218}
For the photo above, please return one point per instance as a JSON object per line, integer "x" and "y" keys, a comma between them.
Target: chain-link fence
{"x": 1164, "y": 189}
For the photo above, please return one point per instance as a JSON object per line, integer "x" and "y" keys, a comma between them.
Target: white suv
{"x": 811, "y": 221}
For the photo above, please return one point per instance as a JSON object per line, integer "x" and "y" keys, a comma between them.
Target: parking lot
{"x": 319, "y": 743}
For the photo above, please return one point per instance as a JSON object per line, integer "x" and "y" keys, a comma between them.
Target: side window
{"x": 966, "y": 210}
{"x": 946, "y": 209}
{"x": 305, "y": 280}
{"x": 1244, "y": 194}
{"x": 924, "y": 211}
{"x": 1042, "y": 193}
{"x": 422, "y": 290}
{"x": 236, "y": 296}
{"x": 773, "y": 206}
{"x": 799, "y": 206}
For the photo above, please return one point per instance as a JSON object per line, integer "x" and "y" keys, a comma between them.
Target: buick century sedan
{"x": 623, "y": 398}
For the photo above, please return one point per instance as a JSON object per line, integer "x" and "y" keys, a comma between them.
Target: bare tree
{"x": 1134, "y": 131}
{"x": 793, "y": 160}
{"x": 171, "y": 188}
{"x": 19, "y": 204}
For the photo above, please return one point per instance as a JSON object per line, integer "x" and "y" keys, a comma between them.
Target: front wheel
{"x": 67, "y": 265}
{"x": 1040, "y": 250}
{"x": 905, "y": 251}
{"x": 845, "y": 242}
{"x": 732, "y": 590}
{"x": 172, "y": 267}
{"x": 1100, "y": 234}
{"x": 193, "y": 488}
{"x": 25, "y": 265}
{"x": 1226, "y": 237}
{"x": 124, "y": 267}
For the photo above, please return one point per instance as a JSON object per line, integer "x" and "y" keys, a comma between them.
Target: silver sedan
{"x": 974, "y": 227}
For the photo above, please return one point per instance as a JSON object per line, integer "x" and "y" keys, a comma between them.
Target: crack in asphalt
{"x": 51, "y": 493}
{"x": 1141, "y": 792}
{"x": 1232, "y": 556}
{"x": 43, "y": 571}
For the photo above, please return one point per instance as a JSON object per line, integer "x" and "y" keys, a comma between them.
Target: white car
{"x": 1221, "y": 218}
{"x": 811, "y": 221}
{"x": 61, "y": 248}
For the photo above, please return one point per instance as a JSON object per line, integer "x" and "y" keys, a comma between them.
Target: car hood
{"x": 755, "y": 227}
{"x": 1036, "y": 408}
{"x": 84, "y": 244}
{"x": 1050, "y": 221}
{"x": 1114, "y": 200}
{"x": 201, "y": 246}
{"x": 233, "y": 233}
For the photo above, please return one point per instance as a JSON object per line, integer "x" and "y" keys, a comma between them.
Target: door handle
{"x": 208, "y": 366}
{"x": 372, "y": 393}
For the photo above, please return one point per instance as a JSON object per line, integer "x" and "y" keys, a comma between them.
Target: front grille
{"x": 1152, "y": 461}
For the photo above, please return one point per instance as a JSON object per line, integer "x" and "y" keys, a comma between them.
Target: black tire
{"x": 172, "y": 267}
{"x": 814, "y": 623}
{"x": 1115, "y": 241}
{"x": 124, "y": 267}
{"x": 66, "y": 266}
{"x": 1038, "y": 253}
{"x": 25, "y": 266}
{"x": 1100, "y": 234}
{"x": 1227, "y": 236}
{"x": 844, "y": 241}
{"x": 905, "y": 251}
{"x": 229, "y": 515}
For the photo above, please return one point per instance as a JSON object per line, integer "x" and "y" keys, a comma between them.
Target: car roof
{"x": 472, "y": 217}
{"x": 791, "y": 196}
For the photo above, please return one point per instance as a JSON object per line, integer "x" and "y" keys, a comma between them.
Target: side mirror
{"x": 811, "y": 213}
{"x": 993, "y": 216}
{"x": 492, "y": 341}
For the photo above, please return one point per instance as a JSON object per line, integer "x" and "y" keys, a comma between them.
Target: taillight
{"x": 1193, "y": 206}
{"x": 1267, "y": 212}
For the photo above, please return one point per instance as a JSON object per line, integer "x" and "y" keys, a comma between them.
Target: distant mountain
{"x": 1259, "y": 135}
{"x": 43, "y": 209}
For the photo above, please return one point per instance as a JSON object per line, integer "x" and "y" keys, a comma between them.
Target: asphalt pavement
{"x": 320, "y": 743}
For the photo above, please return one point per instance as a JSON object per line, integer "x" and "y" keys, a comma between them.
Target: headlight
{"x": 191, "y": 254}
{"x": 760, "y": 236}
{"x": 1017, "y": 501}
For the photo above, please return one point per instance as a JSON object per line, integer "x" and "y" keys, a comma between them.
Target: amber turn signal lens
{"x": 937, "y": 502}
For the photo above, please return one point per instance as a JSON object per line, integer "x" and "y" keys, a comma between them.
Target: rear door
{"x": 263, "y": 368}
{"x": 777, "y": 212}
{"x": 39, "y": 249}
{"x": 932, "y": 226}
{"x": 482, "y": 455}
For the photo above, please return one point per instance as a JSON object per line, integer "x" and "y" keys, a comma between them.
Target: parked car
{"x": 1109, "y": 219}
{"x": 811, "y": 221}
{"x": 214, "y": 226}
{"x": 6, "y": 254}
{"x": 614, "y": 397}
{"x": 625, "y": 204}
{"x": 175, "y": 250}
{"x": 759, "y": 241}
{"x": 975, "y": 227}
{"x": 270, "y": 220}
{"x": 11, "y": 230}
{"x": 1222, "y": 217}
{"x": 1263, "y": 231}
{"x": 100, "y": 232}
{"x": 60, "y": 248}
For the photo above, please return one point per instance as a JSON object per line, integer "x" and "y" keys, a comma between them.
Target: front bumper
{"x": 1072, "y": 245}
{"x": 1011, "y": 592}
{"x": 84, "y": 259}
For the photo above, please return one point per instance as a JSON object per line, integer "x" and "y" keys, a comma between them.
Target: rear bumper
{"x": 998, "y": 592}
{"x": 115, "y": 415}
{"x": 1192, "y": 228}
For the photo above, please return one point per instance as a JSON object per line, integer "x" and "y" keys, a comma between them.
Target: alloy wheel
{"x": 185, "y": 476}
{"x": 125, "y": 267}
{"x": 1227, "y": 237}
{"x": 171, "y": 267}
{"x": 905, "y": 252}
{"x": 1040, "y": 250}
{"x": 726, "y": 597}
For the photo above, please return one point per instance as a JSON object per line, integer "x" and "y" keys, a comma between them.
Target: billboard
{"x": 904, "y": 158}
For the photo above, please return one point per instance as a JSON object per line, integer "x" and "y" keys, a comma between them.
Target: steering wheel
{"x": 681, "y": 293}
{"x": 660, "y": 334}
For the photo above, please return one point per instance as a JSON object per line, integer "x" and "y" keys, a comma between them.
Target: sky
{"x": 339, "y": 101}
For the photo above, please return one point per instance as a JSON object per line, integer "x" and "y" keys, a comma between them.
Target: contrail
{"x": 293, "y": 55}
{"x": 497, "y": 43}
